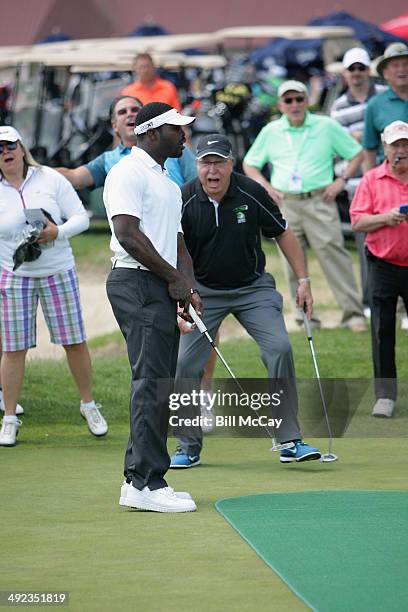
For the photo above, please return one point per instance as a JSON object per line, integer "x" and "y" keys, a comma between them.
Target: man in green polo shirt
{"x": 301, "y": 148}
{"x": 389, "y": 106}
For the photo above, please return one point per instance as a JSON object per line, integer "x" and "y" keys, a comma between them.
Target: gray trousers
{"x": 258, "y": 308}
{"x": 317, "y": 223}
{"x": 147, "y": 318}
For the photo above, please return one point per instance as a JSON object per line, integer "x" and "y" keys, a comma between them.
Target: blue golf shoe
{"x": 180, "y": 459}
{"x": 300, "y": 452}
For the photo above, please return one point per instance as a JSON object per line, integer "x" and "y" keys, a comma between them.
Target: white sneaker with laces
{"x": 19, "y": 408}
{"x": 9, "y": 432}
{"x": 383, "y": 408}
{"x": 95, "y": 421}
{"x": 159, "y": 500}
{"x": 126, "y": 486}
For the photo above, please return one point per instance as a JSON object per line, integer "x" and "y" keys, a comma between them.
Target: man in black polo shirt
{"x": 222, "y": 219}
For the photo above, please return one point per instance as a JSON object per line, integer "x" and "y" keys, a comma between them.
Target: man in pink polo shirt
{"x": 377, "y": 209}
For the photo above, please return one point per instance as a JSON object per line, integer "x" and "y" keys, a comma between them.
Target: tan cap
{"x": 393, "y": 51}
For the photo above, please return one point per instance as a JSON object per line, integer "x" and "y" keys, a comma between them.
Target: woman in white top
{"x": 45, "y": 273}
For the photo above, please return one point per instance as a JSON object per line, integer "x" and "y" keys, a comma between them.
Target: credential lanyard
{"x": 300, "y": 147}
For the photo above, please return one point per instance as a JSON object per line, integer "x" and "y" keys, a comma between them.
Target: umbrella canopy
{"x": 149, "y": 29}
{"x": 372, "y": 37}
{"x": 397, "y": 26}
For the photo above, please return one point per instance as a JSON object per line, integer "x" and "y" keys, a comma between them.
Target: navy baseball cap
{"x": 214, "y": 144}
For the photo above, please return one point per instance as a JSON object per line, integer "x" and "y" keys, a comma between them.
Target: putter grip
{"x": 200, "y": 325}
{"x": 306, "y": 324}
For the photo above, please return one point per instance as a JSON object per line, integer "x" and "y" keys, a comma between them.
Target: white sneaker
{"x": 207, "y": 420}
{"x": 126, "y": 486}
{"x": 19, "y": 408}
{"x": 96, "y": 423}
{"x": 160, "y": 500}
{"x": 9, "y": 432}
{"x": 383, "y": 408}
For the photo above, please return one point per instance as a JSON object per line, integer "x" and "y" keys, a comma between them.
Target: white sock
{"x": 10, "y": 419}
{"x": 87, "y": 405}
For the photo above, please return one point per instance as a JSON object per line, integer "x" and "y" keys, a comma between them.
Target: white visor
{"x": 172, "y": 117}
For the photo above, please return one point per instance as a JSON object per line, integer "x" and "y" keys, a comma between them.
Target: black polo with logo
{"x": 225, "y": 241}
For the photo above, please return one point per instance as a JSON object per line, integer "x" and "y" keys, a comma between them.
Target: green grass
{"x": 63, "y": 529}
{"x": 340, "y": 354}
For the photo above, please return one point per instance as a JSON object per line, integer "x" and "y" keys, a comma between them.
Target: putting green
{"x": 337, "y": 550}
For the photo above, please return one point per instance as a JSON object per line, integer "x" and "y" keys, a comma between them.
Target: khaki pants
{"x": 317, "y": 224}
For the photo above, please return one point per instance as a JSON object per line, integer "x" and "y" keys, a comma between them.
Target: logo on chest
{"x": 240, "y": 212}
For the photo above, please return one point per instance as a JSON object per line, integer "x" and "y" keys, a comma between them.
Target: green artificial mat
{"x": 337, "y": 550}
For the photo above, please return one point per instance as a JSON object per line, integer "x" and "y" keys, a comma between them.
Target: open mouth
{"x": 131, "y": 123}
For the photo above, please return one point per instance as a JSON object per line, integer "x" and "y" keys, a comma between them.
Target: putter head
{"x": 279, "y": 447}
{"x": 328, "y": 457}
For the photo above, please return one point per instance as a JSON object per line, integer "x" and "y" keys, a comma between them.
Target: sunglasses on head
{"x": 10, "y": 146}
{"x": 359, "y": 67}
{"x": 289, "y": 100}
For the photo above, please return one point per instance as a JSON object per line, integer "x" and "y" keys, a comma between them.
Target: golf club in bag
{"x": 276, "y": 446}
{"x": 330, "y": 456}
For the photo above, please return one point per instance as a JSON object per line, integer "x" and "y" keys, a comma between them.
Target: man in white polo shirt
{"x": 152, "y": 273}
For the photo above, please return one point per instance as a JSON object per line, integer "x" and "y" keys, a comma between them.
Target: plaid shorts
{"x": 59, "y": 298}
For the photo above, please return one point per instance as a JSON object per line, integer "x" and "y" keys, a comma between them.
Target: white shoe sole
{"x": 382, "y": 415}
{"x": 97, "y": 435}
{"x": 10, "y": 444}
{"x": 309, "y": 457}
{"x": 139, "y": 502}
{"x": 125, "y": 487}
{"x": 384, "y": 410}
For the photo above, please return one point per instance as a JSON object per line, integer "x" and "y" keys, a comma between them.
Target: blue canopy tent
{"x": 307, "y": 55}
{"x": 154, "y": 29}
{"x": 371, "y": 36}
{"x": 296, "y": 56}
{"x": 149, "y": 29}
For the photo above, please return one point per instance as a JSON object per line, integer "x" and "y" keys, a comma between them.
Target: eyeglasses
{"x": 10, "y": 146}
{"x": 132, "y": 109}
{"x": 359, "y": 67}
{"x": 294, "y": 99}
{"x": 217, "y": 164}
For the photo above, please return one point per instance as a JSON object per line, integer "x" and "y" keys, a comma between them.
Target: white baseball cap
{"x": 172, "y": 117}
{"x": 395, "y": 131}
{"x": 9, "y": 134}
{"x": 356, "y": 55}
{"x": 291, "y": 86}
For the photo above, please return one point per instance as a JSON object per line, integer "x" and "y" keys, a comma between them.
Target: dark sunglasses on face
{"x": 132, "y": 109}
{"x": 10, "y": 146}
{"x": 359, "y": 67}
{"x": 295, "y": 98}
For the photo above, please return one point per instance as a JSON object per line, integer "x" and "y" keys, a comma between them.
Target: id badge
{"x": 295, "y": 183}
